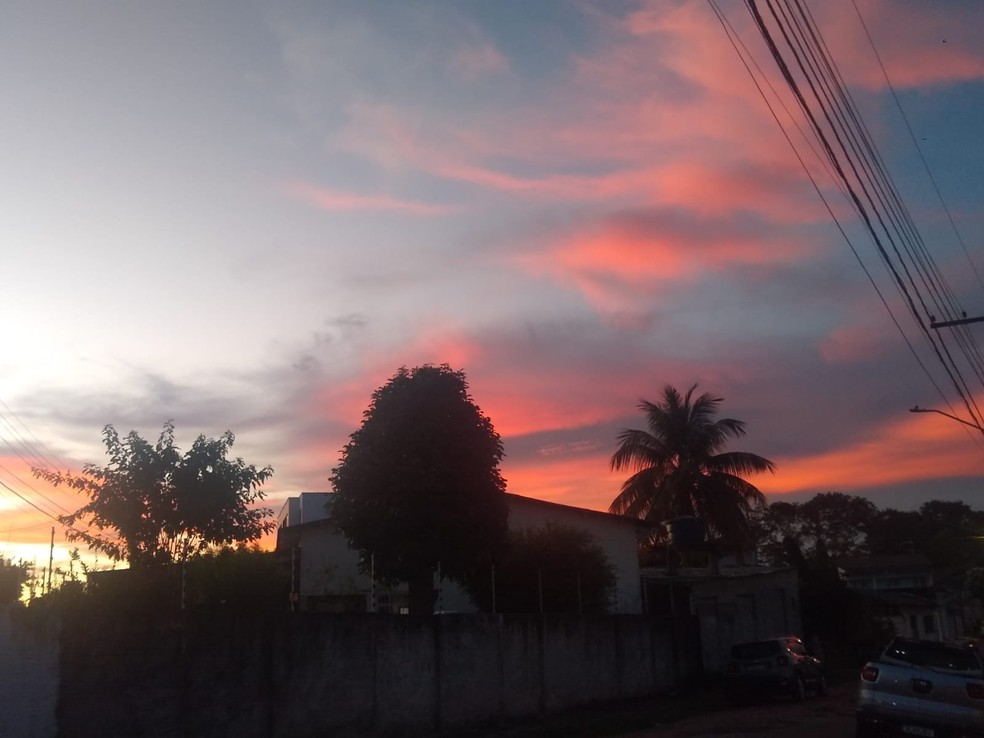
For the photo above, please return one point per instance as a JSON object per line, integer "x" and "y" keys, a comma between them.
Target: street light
{"x": 917, "y": 409}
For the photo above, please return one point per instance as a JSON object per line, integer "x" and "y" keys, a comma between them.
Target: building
{"x": 328, "y": 576}
{"x": 733, "y": 603}
{"x": 305, "y": 508}
{"x": 902, "y": 593}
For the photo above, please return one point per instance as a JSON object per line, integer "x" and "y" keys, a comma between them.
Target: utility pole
{"x": 51, "y": 559}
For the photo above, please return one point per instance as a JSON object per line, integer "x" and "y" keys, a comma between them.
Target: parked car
{"x": 777, "y": 665}
{"x": 922, "y": 688}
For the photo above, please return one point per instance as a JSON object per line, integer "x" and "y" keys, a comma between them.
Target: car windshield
{"x": 758, "y": 650}
{"x": 933, "y": 655}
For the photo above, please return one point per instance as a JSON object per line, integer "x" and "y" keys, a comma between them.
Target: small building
{"x": 902, "y": 593}
{"x": 304, "y": 508}
{"x": 327, "y": 574}
{"x": 733, "y": 603}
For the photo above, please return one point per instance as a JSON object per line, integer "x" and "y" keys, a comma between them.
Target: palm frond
{"x": 679, "y": 466}
{"x": 740, "y": 463}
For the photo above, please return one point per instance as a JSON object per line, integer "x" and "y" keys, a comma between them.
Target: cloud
{"x": 348, "y": 202}
{"x": 629, "y": 262}
{"x": 919, "y": 45}
{"x": 480, "y": 60}
{"x": 900, "y": 451}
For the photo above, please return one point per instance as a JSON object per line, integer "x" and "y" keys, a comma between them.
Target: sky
{"x": 248, "y": 216}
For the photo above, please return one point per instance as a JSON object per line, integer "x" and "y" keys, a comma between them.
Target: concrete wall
{"x": 307, "y": 675}
{"x": 28, "y": 674}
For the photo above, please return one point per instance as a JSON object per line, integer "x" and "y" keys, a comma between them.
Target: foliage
{"x": 893, "y": 532}
{"x": 418, "y": 484}
{"x": 246, "y": 578}
{"x": 830, "y": 523}
{"x": 680, "y": 467}
{"x": 831, "y": 610}
{"x": 562, "y": 563}
{"x": 13, "y": 577}
{"x": 161, "y": 505}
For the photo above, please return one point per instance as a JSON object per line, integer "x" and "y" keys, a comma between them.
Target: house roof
{"x": 904, "y": 599}
{"x": 688, "y": 575}
{"x": 594, "y": 514}
{"x": 288, "y": 535}
{"x": 895, "y": 564}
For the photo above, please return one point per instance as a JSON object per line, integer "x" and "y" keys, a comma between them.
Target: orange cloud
{"x": 341, "y": 201}
{"x": 910, "y": 449}
{"x": 584, "y": 481}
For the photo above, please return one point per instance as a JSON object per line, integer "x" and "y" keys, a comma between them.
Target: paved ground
{"x": 824, "y": 717}
{"x": 703, "y": 712}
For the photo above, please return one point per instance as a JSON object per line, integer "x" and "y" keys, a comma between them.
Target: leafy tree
{"x": 837, "y": 614}
{"x": 13, "y": 577}
{"x": 831, "y": 522}
{"x": 680, "y": 467}
{"x": 773, "y": 526}
{"x": 951, "y": 539}
{"x": 418, "y": 484}
{"x": 161, "y": 505}
{"x": 894, "y": 532}
{"x": 246, "y": 578}
{"x": 557, "y": 566}
{"x": 837, "y": 522}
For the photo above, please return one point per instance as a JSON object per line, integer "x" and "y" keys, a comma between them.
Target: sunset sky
{"x": 247, "y": 216}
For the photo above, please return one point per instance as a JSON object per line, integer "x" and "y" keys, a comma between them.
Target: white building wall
{"x": 616, "y": 536}
{"x": 329, "y": 566}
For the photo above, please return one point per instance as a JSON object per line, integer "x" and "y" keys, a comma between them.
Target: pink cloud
{"x": 615, "y": 264}
{"x": 864, "y": 341}
{"x": 920, "y": 44}
{"x": 479, "y": 60}
{"x": 662, "y": 112}
{"x": 342, "y": 201}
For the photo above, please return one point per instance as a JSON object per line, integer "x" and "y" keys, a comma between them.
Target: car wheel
{"x": 799, "y": 689}
{"x": 821, "y": 686}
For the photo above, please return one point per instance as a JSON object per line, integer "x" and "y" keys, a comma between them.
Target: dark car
{"x": 777, "y": 665}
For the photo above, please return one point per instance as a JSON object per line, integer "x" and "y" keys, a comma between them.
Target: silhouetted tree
{"x": 894, "y": 532}
{"x": 951, "y": 539}
{"x": 13, "y": 577}
{"x": 160, "y": 505}
{"x": 418, "y": 485}
{"x": 556, "y": 568}
{"x": 680, "y": 466}
{"x": 833, "y": 521}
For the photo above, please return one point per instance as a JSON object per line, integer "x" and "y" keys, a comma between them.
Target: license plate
{"x": 918, "y": 730}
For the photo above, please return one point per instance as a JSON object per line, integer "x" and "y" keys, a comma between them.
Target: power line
{"x": 749, "y": 63}
{"x": 915, "y": 143}
{"x": 848, "y": 146}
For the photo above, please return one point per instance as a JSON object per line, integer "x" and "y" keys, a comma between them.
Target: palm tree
{"x": 680, "y": 468}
